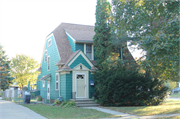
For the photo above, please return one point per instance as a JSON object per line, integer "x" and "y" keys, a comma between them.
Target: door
{"x": 80, "y": 85}
{"x": 48, "y": 89}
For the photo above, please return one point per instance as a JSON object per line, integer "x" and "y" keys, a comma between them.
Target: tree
{"x": 154, "y": 27}
{"x": 24, "y": 70}
{"x": 119, "y": 86}
{"x": 101, "y": 39}
{"x": 5, "y": 77}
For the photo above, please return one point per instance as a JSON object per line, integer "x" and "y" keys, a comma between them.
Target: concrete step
{"x": 81, "y": 100}
{"x": 87, "y": 105}
{"x": 86, "y": 102}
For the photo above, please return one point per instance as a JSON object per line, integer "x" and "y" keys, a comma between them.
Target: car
{"x": 176, "y": 90}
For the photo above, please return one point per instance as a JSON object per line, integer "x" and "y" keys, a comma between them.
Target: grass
{"x": 175, "y": 95}
{"x": 54, "y": 112}
{"x": 176, "y": 117}
{"x": 170, "y": 107}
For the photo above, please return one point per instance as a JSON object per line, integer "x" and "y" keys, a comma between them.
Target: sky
{"x": 24, "y": 24}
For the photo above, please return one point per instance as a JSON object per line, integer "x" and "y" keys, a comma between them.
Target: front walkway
{"x": 10, "y": 110}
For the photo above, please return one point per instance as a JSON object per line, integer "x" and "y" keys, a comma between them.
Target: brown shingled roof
{"x": 82, "y": 35}
{"x": 79, "y": 32}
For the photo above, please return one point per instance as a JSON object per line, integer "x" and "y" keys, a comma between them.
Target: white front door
{"x": 48, "y": 89}
{"x": 80, "y": 85}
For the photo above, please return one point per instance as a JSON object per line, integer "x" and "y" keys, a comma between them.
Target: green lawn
{"x": 54, "y": 112}
{"x": 176, "y": 117}
{"x": 170, "y": 107}
{"x": 175, "y": 95}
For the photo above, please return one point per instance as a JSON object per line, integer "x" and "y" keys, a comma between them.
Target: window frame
{"x": 45, "y": 53}
{"x": 57, "y": 81}
{"x": 43, "y": 84}
{"x": 50, "y": 40}
{"x": 48, "y": 63}
{"x": 92, "y": 51}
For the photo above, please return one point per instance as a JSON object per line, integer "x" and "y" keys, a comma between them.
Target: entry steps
{"x": 85, "y": 102}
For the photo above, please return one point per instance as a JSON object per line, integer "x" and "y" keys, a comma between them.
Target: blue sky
{"x": 24, "y": 24}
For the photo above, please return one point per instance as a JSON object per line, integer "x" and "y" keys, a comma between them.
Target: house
{"x": 68, "y": 63}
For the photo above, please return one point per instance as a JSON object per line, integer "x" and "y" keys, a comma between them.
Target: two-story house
{"x": 68, "y": 63}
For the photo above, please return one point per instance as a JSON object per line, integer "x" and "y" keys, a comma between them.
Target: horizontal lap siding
{"x": 79, "y": 60}
{"x": 52, "y": 51}
{"x": 80, "y": 46}
{"x": 68, "y": 86}
{"x": 63, "y": 86}
{"x": 72, "y": 44}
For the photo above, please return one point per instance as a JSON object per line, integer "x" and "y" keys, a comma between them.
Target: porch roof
{"x": 45, "y": 77}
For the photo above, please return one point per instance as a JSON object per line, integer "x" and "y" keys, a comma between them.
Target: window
{"x": 57, "y": 82}
{"x": 121, "y": 53}
{"x": 49, "y": 42}
{"x": 43, "y": 84}
{"x": 45, "y": 56}
{"x": 89, "y": 51}
{"x": 48, "y": 63}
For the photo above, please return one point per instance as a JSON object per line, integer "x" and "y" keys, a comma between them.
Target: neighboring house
{"x": 68, "y": 63}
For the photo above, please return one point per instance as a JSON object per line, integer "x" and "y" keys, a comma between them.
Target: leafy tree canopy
{"x": 24, "y": 70}
{"x": 152, "y": 25}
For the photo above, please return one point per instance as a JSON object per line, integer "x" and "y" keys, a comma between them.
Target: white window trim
{"x": 48, "y": 63}
{"x": 51, "y": 42}
{"x": 43, "y": 84}
{"x": 91, "y": 51}
{"x": 45, "y": 54}
{"x": 57, "y": 74}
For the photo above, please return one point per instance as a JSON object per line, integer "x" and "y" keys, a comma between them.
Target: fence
{"x": 17, "y": 96}
{"x": 50, "y": 96}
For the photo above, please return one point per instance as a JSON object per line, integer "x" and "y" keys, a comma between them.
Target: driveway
{"x": 10, "y": 110}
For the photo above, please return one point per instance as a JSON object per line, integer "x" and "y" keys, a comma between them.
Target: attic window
{"x": 49, "y": 42}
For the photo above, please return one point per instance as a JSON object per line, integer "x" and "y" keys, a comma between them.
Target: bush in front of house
{"x": 67, "y": 104}
{"x": 118, "y": 86}
{"x": 1, "y": 93}
{"x": 25, "y": 88}
{"x": 39, "y": 98}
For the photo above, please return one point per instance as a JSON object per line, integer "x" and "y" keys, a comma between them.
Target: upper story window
{"x": 89, "y": 51}
{"x": 49, "y": 42}
{"x": 45, "y": 56}
{"x": 121, "y": 53}
{"x": 57, "y": 81}
{"x": 48, "y": 63}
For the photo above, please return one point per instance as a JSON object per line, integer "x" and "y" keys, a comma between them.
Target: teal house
{"x": 68, "y": 63}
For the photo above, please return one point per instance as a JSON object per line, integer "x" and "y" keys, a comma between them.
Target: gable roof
{"x": 79, "y": 32}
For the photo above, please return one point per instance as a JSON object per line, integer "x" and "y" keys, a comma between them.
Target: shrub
{"x": 25, "y": 88}
{"x": 32, "y": 95}
{"x": 56, "y": 102}
{"x": 67, "y": 104}
{"x": 39, "y": 98}
{"x": 1, "y": 93}
{"x": 118, "y": 86}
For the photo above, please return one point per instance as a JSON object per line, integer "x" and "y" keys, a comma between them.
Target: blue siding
{"x": 63, "y": 86}
{"x": 52, "y": 51}
{"x": 68, "y": 86}
{"x": 79, "y": 60}
{"x": 72, "y": 44}
{"x": 80, "y": 46}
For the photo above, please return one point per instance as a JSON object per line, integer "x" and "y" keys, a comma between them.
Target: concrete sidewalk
{"x": 10, "y": 110}
{"x": 128, "y": 116}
